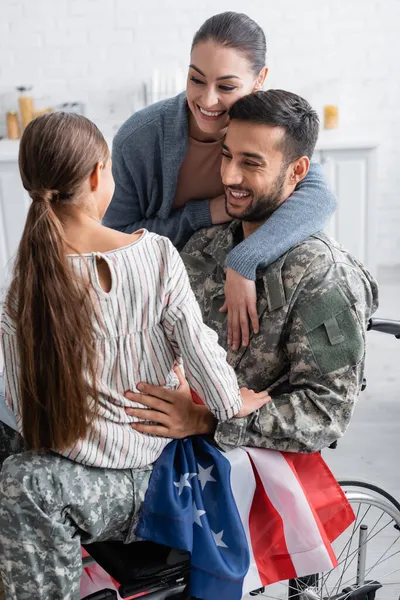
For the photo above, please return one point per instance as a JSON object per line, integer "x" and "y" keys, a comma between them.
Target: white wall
{"x": 101, "y": 51}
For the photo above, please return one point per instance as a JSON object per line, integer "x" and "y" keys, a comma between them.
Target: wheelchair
{"x": 368, "y": 552}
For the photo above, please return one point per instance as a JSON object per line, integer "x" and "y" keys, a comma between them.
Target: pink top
{"x": 200, "y": 173}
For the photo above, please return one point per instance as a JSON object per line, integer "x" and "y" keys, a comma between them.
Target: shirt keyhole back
{"x": 103, "y": 273}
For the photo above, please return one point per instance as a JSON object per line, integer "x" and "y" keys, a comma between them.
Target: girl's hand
{"x": 252, "y": 401}
{"x": 241, "y": 305}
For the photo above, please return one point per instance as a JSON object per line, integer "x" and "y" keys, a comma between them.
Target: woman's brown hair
{"x": 52, "y": 310}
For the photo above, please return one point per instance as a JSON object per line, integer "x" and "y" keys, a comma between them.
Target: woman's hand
{"x": 174, "y": 412}
{"x": 252, "y": 401}
{"x": 218, "y": 211}
{"x": 241, "y": 305}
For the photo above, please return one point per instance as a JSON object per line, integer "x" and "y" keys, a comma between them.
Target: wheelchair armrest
{"x": 385, "y": 326}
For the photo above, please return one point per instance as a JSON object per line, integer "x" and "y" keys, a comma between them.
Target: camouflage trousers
{"x": 49, "y": 505}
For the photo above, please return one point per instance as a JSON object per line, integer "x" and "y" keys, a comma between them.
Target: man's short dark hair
{"x": 279, "y": 108}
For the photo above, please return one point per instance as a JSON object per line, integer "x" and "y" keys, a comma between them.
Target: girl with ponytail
{"x": 50, "y": 308}
{"x": 89, "y": 314}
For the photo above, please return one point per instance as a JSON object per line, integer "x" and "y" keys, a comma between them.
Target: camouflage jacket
{"x": 313, "y": 304}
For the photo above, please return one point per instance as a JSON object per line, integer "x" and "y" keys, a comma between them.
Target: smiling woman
{"x": 167, "y": 161}
{"x": 219, "y": 74}
{"x": 210, "y": 94}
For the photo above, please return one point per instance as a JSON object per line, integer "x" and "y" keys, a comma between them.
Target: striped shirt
{"x": 148, "y": 320}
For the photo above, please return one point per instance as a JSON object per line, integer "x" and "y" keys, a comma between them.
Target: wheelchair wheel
{"x": 368, "y": 554}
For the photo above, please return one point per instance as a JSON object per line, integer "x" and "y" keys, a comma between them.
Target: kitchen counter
{"x": 349, "y": 164}
{"x": 328, "y": 140}
{"x": 336, "y": 139}
{"x": 9, "y": 149}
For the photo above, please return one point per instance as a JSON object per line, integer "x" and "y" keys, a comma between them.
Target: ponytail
{"x": 52, "y": 308}
{"x": 54, "y": 335}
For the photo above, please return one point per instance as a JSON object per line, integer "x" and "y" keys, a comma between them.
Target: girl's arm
{"x": 204, "y": 361}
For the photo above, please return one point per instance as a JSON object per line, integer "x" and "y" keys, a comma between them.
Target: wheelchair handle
{"x": 385, "y": 326}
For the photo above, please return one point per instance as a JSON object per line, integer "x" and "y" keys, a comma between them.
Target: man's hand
{"x": 218, "y": 211}
{"x": 240, "y": 304}
{"x": 174, "y": 411}
{"x": 252, "y": 401}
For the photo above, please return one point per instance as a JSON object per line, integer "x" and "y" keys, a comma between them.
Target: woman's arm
{"x": 128, "y": 211}
{"x": 305, "y": 212}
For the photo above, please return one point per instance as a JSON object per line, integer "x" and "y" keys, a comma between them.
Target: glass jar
{"x": 25, "y": 102}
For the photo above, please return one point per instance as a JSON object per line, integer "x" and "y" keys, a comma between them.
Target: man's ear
{"x": 299, "y": 170}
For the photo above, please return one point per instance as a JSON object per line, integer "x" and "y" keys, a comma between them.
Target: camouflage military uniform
{"x": 49, "y": 506}
{"x": 313, "y": 305}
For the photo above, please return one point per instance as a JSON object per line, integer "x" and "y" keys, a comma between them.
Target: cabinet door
{"x": 14, "y": 202}
{"x": 349, "y": 173}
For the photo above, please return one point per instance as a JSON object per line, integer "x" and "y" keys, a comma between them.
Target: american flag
{"x": 249, "y": 517}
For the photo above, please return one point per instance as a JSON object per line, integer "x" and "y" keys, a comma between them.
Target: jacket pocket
{"x": 333, "y": 330}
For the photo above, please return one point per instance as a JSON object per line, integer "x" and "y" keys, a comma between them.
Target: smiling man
{"x": 313, "y": 303}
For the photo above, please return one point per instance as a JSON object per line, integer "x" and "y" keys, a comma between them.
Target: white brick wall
{"x": 101, "y": 51}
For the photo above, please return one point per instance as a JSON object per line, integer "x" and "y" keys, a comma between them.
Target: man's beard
{"x": 261, "y": 207}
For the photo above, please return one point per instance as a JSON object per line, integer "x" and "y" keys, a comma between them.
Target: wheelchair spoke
{"x": 353, "y": 557}
{"x": 352, "y": 554}
{"x": 384, "y": 575}
{"x": 355, "y": 528}
{"x": 348, "y": 544}
{"x": 380, "y": 561}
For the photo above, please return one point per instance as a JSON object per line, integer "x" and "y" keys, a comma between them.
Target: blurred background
{"x": 109, "y": 58}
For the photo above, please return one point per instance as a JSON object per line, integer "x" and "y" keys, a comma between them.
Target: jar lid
{"x": 12, "y": 113}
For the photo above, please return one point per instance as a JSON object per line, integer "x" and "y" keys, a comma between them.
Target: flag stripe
{"x": 324, "y": 494}
{"x": 243, "y": 485}
{"x": 268, "y": 539}
{"x": 305, "y": 545}
{"x": 315, "y": 495}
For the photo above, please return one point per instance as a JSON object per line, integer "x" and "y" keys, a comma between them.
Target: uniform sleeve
{"x": 128, "y": 212}
{"x": 206, "y": 369}
{"x": 325, "y": 346}
{"x": 304, "y": 213}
